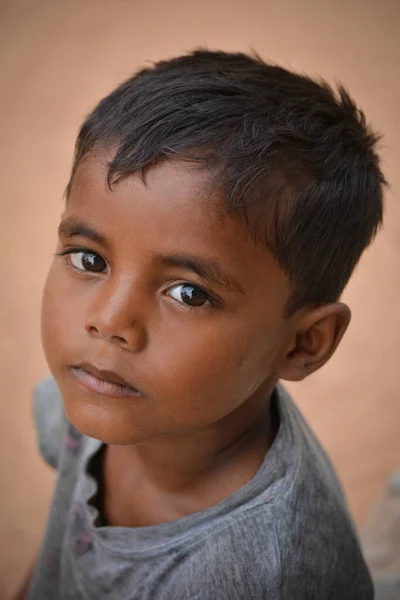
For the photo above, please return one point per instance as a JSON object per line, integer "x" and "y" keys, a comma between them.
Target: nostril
{"x": 112, "y": 338}
{"x": 131, "y": 337}
{"x": 92, "y": 329}
{"x": 118, "y": 339}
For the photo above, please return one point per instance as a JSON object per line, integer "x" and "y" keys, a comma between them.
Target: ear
{"x": 317, "y": 335}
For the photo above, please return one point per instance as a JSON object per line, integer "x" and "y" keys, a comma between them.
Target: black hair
{"x": 293, "y": 157}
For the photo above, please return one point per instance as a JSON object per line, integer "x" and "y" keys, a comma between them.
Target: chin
{"x": 106, "y": 423}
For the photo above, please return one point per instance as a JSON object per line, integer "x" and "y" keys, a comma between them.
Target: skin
{"x": 202, "y": 424}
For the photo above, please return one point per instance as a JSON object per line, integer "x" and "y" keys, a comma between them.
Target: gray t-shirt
{"x": 285, "y": 535}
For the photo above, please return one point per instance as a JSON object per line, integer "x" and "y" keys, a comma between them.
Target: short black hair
{"x": 293, "y": 157}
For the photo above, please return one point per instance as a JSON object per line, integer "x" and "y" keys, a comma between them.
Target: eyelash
{"x": 65, "y": 253}
{"x": 212, "y": 301}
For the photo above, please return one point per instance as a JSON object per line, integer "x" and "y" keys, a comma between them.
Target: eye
{"x": 189, "y": 294}
{"x": 87, "y": 261}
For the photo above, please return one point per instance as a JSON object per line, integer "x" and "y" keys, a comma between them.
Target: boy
{"x": 216, "y": 209}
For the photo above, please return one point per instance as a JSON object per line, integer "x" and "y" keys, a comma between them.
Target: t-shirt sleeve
{"x": 50, "y": 420}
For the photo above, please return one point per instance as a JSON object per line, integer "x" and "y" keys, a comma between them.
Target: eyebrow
{"x": 208, "y": 269}
{"x": 71, "y": 227}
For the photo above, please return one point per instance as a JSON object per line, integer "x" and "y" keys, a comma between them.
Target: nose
{"x": 116, "y": 315}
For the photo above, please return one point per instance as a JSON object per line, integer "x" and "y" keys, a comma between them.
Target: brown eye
{"x": 88, "y": 261}
{"x": 189, "y": 294}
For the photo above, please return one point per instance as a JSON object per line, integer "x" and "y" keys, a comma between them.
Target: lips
{"x": 104, "y": 382}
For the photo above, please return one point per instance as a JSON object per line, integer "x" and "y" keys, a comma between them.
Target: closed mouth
{"x": 102, "y": 381}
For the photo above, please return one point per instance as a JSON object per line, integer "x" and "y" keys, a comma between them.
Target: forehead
{"x": 177, "y": 210}
{"x": 167, "y": 187}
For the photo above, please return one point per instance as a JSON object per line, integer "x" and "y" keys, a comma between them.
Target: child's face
{"x": 132, "y": 303}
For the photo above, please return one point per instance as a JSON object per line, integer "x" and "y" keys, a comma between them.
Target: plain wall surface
{"x": 57, "y": 59}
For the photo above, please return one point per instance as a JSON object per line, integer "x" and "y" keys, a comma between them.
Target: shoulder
{"x": 50, "y": 419}
{"x": 232, "y": 561}
{"x": 260, "y": 557}
{"x": 318, "y": 545}
{"x": 320, "y": 554}
{"x": 292, "y": 538}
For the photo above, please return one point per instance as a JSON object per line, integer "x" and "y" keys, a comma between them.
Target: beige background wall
{"x": 57, "y": 58}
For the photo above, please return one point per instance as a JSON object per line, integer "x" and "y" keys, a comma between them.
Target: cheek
{"x": 50, "y": 325}
{"x": 56, "y": 323}
{"x": 212, "y": 370}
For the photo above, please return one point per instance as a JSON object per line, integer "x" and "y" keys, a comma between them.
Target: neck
{"x": 176, "y": 464}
